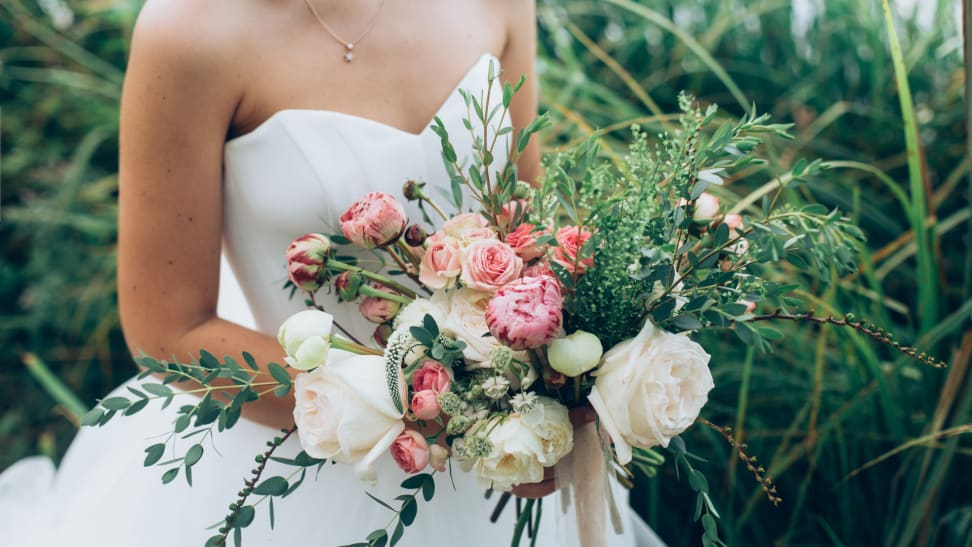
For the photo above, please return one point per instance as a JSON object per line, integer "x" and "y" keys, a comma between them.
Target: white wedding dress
{"x": 293, "y": 174}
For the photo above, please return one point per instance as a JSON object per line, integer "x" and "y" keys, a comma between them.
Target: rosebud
{"x": 575, "y": 354}
{"x": 377, "y": 309}
{"x": 415, "y": 235}
{"x": 413, "y": 190}
{"x": 382, "y": 333}
{"x": 706, "y": 208}
{"x": 307, "y": 261}
{"x": 437, "y": 457}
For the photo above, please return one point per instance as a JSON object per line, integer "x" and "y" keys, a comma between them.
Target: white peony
{"x": 523, "y": 444}
{"x": 466, "y": 320}
{"x": 344, "y": 412}
{"x": 575, "y": 354}
{"x": 650, "y": 388}
{"x": 413, "y": 314}
{"x": 306, "y": 338}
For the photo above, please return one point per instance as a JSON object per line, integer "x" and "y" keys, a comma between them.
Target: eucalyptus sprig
{"x": 404, "y": 515}
{"x": 704, "y": 508}
{"x": 216, "y": 406}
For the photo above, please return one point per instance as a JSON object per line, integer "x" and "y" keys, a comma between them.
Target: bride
{"x": 244, "y": 124}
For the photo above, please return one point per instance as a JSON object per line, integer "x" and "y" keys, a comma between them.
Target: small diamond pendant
{"x": 349, "y": 55}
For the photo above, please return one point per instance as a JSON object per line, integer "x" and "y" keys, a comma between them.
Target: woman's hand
{"x": 580, "y": 417}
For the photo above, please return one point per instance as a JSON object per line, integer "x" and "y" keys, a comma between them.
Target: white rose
{"x": 551, "y": 422}
{"x": 650, "y": 388}
{"x": 306, "y": 338}
{"x": 515, "y": 456}
{"x": 412, "y": 315}
{"x": 466, "y": 321}
{"x": 344, "y": 412}
{"x": 575, "y": 354}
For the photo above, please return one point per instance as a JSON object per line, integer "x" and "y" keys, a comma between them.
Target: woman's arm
{"x": 520, "y": 59}
{"x": 183, "y": 83}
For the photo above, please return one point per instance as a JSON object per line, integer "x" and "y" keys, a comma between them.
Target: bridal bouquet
{"x": 524, "y": 303}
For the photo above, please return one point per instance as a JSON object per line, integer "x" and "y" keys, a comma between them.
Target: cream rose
{"x": 550, "y": 421}
{"x": 344, "y": 412}
{"x": 650, "y": 388}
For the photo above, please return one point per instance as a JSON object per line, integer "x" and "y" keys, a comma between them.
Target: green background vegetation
{"x": 823, "y": 405}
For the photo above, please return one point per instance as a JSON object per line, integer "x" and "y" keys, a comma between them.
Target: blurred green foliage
{"x": 821, "y": 406}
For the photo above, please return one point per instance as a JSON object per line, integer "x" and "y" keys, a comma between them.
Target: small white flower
{"x": 524, "y": 402}
{"x": 496, "y": 387}
{"x": 306, "y": 339}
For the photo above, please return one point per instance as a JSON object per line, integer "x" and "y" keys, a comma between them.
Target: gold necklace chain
{"x": 348, "y": 46}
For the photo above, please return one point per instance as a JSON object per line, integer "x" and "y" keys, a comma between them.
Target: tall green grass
{"x": 866, "y": 448}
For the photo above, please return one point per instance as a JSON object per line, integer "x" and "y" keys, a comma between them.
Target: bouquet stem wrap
{"x": 582, "y": 477}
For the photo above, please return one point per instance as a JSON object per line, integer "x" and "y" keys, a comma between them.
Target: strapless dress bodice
{"x": 299, "y": 170}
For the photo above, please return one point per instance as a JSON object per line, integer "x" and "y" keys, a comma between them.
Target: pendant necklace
{"x": 348, "y": 45}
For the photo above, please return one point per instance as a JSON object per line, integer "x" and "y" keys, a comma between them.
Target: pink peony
{"x": 374, "y": 221}
{"x": 488, "y": 264}
{"x": 377, "y": 309}
{"x": 425, "y": 404}
{"x": 441, "y": 262}
{"x": 410, "y": 451}
{"x": 460, "y": 224}
{"x": 432, "y": 376}
{"x": 527, "y": 313}
{"x": 307, "y": 261}
{"x": 524, "y": 241}
{"x": 570, "y": 241}
{"x": 437, "y": 457}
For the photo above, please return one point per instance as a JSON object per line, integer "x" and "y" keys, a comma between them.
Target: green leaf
{"x": 116, "y": 403}
{"x": 170, "y": 475}
{"x": 383, "y": 504}
{"x": 398, "y": 533}
{"x": 409, "y": 511}
{"x": 193, "y": 455}
{"x": 769, "y": 333}
{"x": 208, "y": 360}
{"x": 428, "y": 488}
{"x": 697, "y": 481}
{"x": 279, "y": 374}
{"x": 305, "y": 460}
{"x": 430, "y": 325}
{"x": 273, "y": 486}
{"x": 271, "y": 514}
{"x": 153, "y": 454}
{"x": 281, "y": 390}
{"x": 181, "y": 423}
{"x": 378, "y": 538}
{"x": 415, "y": 481}
{"x": 158, "y": 390}
{"x": 92, "y": 417}
{"x": 245, "y": 517}
{"x": 250, "y": 361}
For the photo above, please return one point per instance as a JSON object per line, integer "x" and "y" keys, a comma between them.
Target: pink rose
{"x": 488, "y": 264}
{"x": 524, "y": 242}
{"x": 570, "y": 241}
{"x": 377, "y": 309}
{"x": 437, "y": 457}
{"x": 527, "y": 313}
{"x": 432, "y": 376}
{"x": 410, "y": 451}
{"x": 460, "y": 224}
{"x": 307, "y": 260}
{"x": 425, "y": 404}
{"x": 374, "y": 221}
{"x": 441, "y": 262}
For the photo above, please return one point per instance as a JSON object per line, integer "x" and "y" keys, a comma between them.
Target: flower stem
{"x": 378, "y": 293}
{"x": 339, "y": 266}
{"x": 352, "y": 347}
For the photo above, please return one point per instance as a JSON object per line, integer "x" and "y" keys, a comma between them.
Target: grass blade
{"x": 55, "y": 387}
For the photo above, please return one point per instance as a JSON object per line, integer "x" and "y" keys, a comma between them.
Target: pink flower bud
{"x": 374, "y": 221}
{"x": 416, "y": 235}
{"x": 425, "y": 404}
{"x": 382, "y": 333}
{"x": 706, "y": 208}
{"x": 377, "y": 309}
{"x": 437, "y": 457}
{"x": 307, "y": 261}
{"x": 410, "y": 451}
{"x": 413, "y": 190}
{"x": 527, "y": 313}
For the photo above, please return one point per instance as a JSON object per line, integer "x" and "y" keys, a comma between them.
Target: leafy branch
{"x": 405, "y": 515}
{"x": 704, "y": 508}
